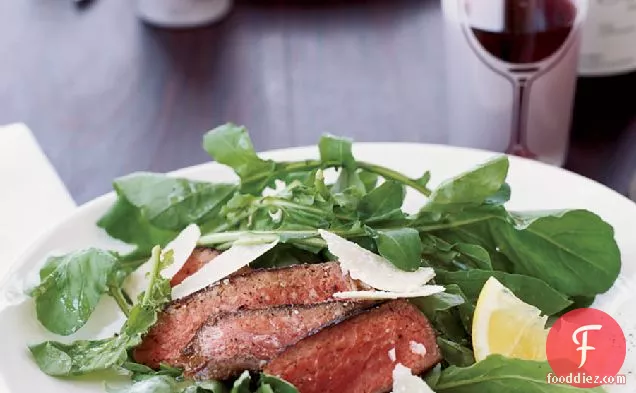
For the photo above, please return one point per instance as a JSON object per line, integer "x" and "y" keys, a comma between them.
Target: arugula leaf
{"x": 442, "y": 301}
{"x": 573, "y": 251}
{"x": 383, "y": 203}
{"x": 529, "y": 289}
{"x": 173, "y": 203}
{"x": 70, "y": 288}
{"x": 369, "y": 179}
{"x": 432, "y": 377}
{"x": 471, "y": 188}
{"x": 155, "y": 384}
{"x": 242, "y": 383}
{"x": 210, "y": 387}
{"x": 265, "y": 388}
{"x": 466, "y": 310}
{"x": 124, "y": 222}
{"x": 82, "y": 357}
{"x": 443, "y": 310}
{"x": 336, "y": 150}
{"x": 231, "y": 145}
{"x": 348, "y": 180}
{"x": 424, "y": 179}
{"x": 455, "y": 354}
{"x": 500, "y": 197}
{"x": 277, "y": 385}
{"x": 472, "y": 254}
{"x": 402, "y": 247}
{"x": 459, "y": 256}
{"x": 450, "y": 326}
{"x": 284, "y": 255}
{"x": 140, "y": 372}
{"x": 497, "y": 373}
{"x": 165, "y": 384}
{"x": 295, "y": 207}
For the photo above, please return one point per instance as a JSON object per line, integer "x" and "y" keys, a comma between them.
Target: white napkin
{"x": 32, "y": 196}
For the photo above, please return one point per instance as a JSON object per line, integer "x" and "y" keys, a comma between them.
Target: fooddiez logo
{"x": 586, "y": 348}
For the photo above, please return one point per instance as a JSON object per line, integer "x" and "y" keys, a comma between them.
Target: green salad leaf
{"x": 549, "y": 246}
{"x": 172, "y": 203}
{"x": 140, "y": 372}
{"x": 70, "y": 288}
{"x": 125, "y": 222}
{"x": 529, "y": 289}
{"x": 440, "y": 301}
{"x": 455, "y": 354}
{"x": 472, "y": 188}
{"x": 86, "y": 356}
{"x": 383, "y": 203}
{"x": 80, "y": 357}
{"x": 460, "y": 256}
{"x": 242, "y": 383}
{"x": 231, "y": 145}
{"x": 401, "y": 246}
{"x": 565, "y": 249}
{"x": 338, "y": 150}
{"x": 165, "y": 384}
{"x": 369, "y": 179}
{"x": 277, "y": 385}
{"x": 500, "y": 374}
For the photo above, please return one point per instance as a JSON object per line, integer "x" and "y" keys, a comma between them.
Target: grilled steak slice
{"x": 178, "y": 323}
{"x": 228, "y": 344}
{"x": 199, "y": 258}
{"x": 353, "y": 356}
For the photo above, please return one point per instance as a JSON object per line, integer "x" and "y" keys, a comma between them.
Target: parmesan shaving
{"x": 426, "y": 290}
{"x": 405, "y": 382}
{"x": 181, "y": 246}
{"x": 373, "y": 269}
{"x": 392, "y": 354}
{"x": 230, "y": 261}
{"x": 417, "y": 348}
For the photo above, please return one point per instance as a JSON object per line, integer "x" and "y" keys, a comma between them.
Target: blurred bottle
{"x": 605, "y": 100}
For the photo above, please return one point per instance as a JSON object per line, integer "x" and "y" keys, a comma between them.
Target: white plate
{"x": 534, "y": 186}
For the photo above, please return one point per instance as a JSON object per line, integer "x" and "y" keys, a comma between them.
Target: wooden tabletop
{"x": 107, "y": 95}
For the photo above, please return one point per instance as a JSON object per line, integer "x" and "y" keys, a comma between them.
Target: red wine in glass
{"x": 530, "y": 33}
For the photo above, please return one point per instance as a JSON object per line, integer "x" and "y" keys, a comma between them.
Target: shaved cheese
{"x": 425, "y": 290}
{"x": 181, "y": 246}
{"x": 230, "y": 261}
{"x": 405, "y": 382}
{"x": 392, "y": 354}
{"x": 417, "y": 348}
{"x": 372, "y": 269}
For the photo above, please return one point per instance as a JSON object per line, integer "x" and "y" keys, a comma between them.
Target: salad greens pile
{"x": 554, "y": 260}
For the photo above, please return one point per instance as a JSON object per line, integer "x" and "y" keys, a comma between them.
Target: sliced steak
{"x": 228, "y": 344}
{"x": 199, "y": 258}
{"x": 353, "y": 356}
{"x": 178, "y": 323}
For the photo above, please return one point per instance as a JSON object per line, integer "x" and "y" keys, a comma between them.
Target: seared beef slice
{"x": 353, "y": 356}
{"x": 228, "y": 344}
{"x": 178, "y": 323}
{"x": 199, "y": 258}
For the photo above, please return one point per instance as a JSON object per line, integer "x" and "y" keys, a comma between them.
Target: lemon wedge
{"x": 503, "y": 324}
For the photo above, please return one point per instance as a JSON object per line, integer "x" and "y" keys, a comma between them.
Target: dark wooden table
{"x": 107, "y": 95}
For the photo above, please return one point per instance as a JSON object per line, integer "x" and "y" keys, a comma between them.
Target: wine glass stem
{"x": 518, "y": 145}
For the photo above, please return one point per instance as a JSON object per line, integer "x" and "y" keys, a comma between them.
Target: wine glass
{"x": 521, "y": 40}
